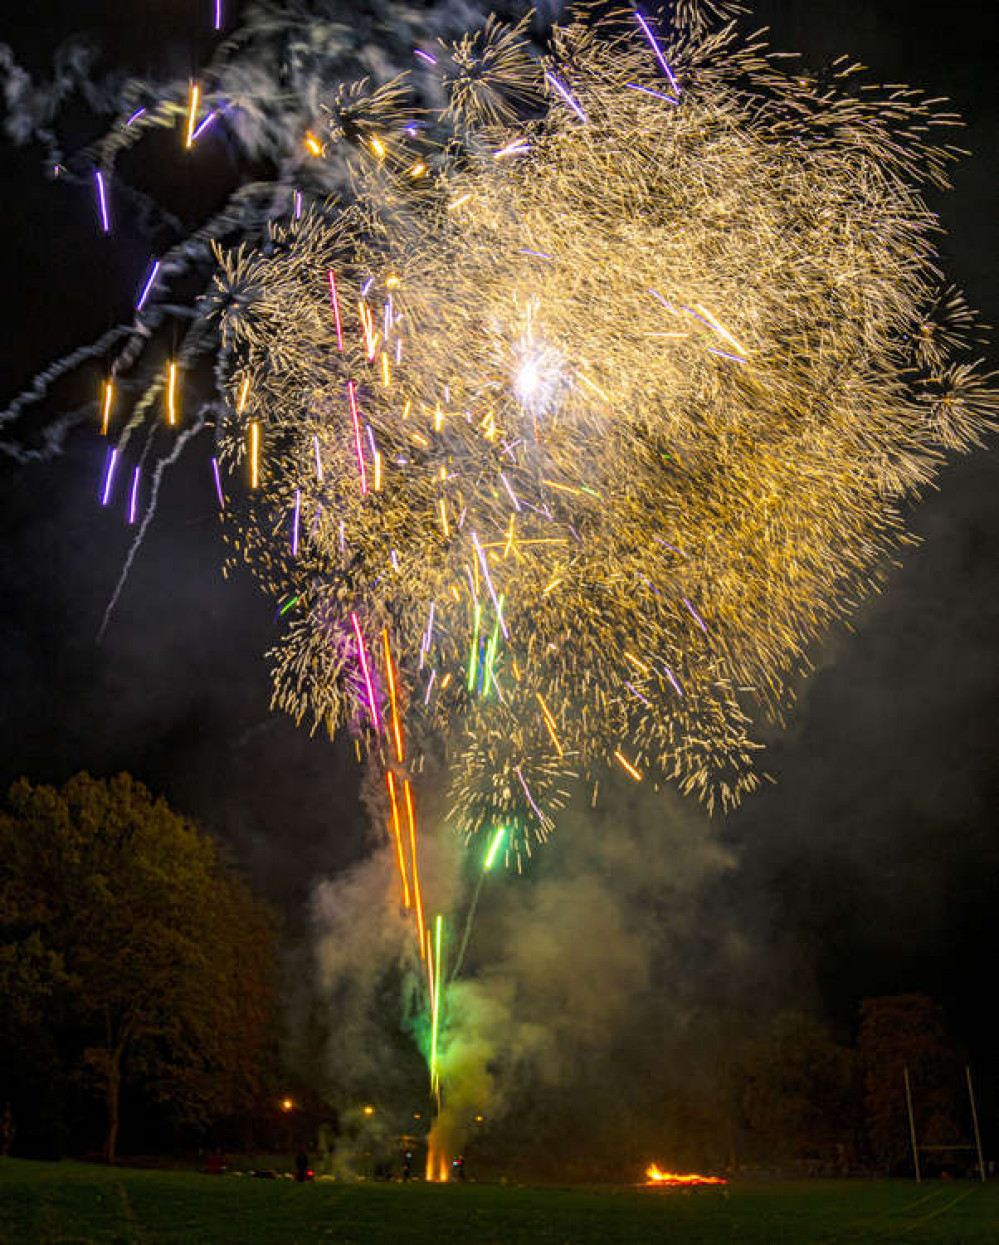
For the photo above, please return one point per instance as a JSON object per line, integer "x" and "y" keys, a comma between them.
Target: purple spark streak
{"x": 319, "y": 461}
{"x": 424, "y": 56}
{"x": 659, "y": 541}
{"x": 668, "y": 306}
{"x": 133, "y": 501}
{"x": 725, "y": 354}
{"x": 108, "y": 477}
{"x": 218, "y": 483}
{"x": 647, "y": 90}
{"x": 672, "y": 678}
{"x": 513, "y": 495}
{"x": 218, "y": 14}
{"x": 102, "y": 201}
{"x": 530, "y": 798}
{"x": 150, "y": 282}
{"x": 489, "y": 584}
{"x": 315, "y": 521}
{"x": 135, "y": 116}
{"x": 203, "y": 126}
{"x": 694, "y": 614}
{"x": 566, "y": 96}
{"x": 298, "y": 205}
{"x": 433, "y": 675}
{"x": 658, "y": 51}
{"x": 296, "y": 522}
{"x": 538, "y": 254}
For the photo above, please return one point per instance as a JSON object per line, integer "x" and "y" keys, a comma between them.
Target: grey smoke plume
{"x": 596, "y": 990}
{"x": 264, "y": 85}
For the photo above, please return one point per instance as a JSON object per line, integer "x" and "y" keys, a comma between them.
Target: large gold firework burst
{"x": 602, "y": 419}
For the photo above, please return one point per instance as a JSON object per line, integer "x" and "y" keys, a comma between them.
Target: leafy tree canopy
{"x": 124, "y": 930}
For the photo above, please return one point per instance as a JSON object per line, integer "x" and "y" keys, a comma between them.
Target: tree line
{"x": 139, "y": 981}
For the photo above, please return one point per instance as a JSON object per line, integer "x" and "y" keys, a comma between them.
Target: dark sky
{"x": 875, "y": 857}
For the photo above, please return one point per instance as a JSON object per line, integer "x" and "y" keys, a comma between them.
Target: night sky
{"x": 872, "y": 865}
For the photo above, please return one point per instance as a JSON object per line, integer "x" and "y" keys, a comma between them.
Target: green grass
{"x": 74, "y": 1204}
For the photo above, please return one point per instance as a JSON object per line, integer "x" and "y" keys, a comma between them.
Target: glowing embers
{"x": 659, "y": 1179}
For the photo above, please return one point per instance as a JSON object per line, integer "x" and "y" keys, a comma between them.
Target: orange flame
{"x": 654, "y": 1175}
{"x": 437, "y": 1166}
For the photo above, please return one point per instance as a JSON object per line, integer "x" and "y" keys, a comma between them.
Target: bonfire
{"x": 657, "y": 1178}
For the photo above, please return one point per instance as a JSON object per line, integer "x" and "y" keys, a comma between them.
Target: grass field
{"x": 73, "y": 1204}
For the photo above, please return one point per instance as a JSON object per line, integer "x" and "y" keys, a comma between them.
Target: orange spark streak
{"x": 390, "y": 673}
{"x": 397, "y": 831}
{"x": 254, "y": 454}
{"x": 626, "y": 764}
{"x": 172, "y": 394}
{"x": 549, "y": 722}
{"x": 192, "y": 114}
{"x": 106, "y": 413}
{"x": 416, "y": 870}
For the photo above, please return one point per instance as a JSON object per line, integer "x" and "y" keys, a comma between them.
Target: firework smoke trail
{"x": 158, "y": 472}
{"x": 491, "y": 857}
{"x": 258, "y": 118}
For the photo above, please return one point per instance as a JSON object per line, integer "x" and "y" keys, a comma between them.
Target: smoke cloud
{"x": 592, "y": 1012}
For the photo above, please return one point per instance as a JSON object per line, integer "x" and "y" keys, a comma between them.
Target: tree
{"x": 124, "y": 923}
{"x": 899, "y": 1032}
{"x": 798, "y": 1090}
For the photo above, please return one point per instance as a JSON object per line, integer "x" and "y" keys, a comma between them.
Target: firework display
{"x": 569, "y": 434}
{"x": 562, "y": 399}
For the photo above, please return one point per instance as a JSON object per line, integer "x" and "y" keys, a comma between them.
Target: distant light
{"x": 369, "y": 1110}
{"x": 286, "y": 1104}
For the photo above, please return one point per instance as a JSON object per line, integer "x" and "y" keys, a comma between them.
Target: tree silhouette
{"x": 123, "y": 928}
{"x": 899, "y": 1032}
